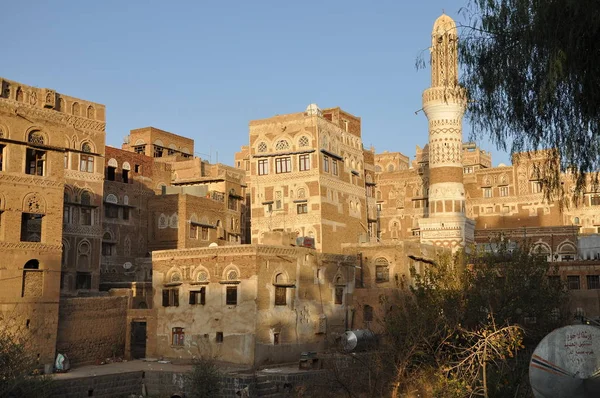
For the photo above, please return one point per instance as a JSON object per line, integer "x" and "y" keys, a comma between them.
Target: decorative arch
{"x": 3, "y": 131}
{"x": 280, "y": 277}
{"x": 36, "y": 136}
{"x": 139, "y": 142}
{"x": 87, "y": 147}
{"x": 75, "y": 108}
{"x": 282, "y": 144}
{"x": 185, "y": 150}
{"x": 112, "y": 162}
{"x": 390, "y": 167}
{"x": 85, "y": 198}
{"x": 159, "y": 143}
{"x": 231, "y": 273}
{"x": 303, "y": 141}
{"x": 2, "y": 201}
{"x": 34, "y": 203}
{"x": 111, "y": 198}
{"x": 126, "y": 166}
{"x": 201, "y": 274}
{"x": 174, "y": 275}
{"x": 566, "y": 247}
{"x": 91, "y": 113}
{"x": 261, "y": 147}
{"x": 107, "y": 236}
{"x": 125, "y": 199}
{"x": 66, "y": 247}
{"x": 378, "y": 169}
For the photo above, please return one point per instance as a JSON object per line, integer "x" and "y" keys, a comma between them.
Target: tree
{"x": 19, "y": 369}
{"x": 530, "y": 69}
{"x": 204, "y": 380}
{"x": 464, "y": 319}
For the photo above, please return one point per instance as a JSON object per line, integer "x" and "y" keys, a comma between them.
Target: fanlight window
{"x": 176, "y": 277}
{"x": 282, "y": 145}
{"x": 35, "y": 137}
{"x": 303, "y": 141}
{"x": 86, "y": 199}
{"x": 86, "y": 148}
{"x": 262, "y": 147}
{"x": 202, "y": 276}
{"x": 232, "y": 275}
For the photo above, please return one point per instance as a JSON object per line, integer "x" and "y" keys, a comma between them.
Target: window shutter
{"x": 176, "y": 297}
{"x": 203, "y": 296}
{"x": 192, "y": 297}
{"x": 165, "y": 293}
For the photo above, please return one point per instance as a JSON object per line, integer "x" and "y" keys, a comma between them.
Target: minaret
{"x": 444, "y": 104}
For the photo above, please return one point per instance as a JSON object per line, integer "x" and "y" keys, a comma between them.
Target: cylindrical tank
{"x": 357, "y": 340}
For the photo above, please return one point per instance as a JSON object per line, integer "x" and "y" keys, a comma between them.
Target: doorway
{"x": 138, "y": 339}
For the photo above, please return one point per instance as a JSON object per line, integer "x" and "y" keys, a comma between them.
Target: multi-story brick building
{"x": 307, "y": 176}
{"x": 50, "y": 170}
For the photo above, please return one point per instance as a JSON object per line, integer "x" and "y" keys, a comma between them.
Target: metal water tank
{"x": 358, "y": 340}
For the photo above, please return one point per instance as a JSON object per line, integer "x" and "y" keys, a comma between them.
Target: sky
{"x": 204, "y": 69}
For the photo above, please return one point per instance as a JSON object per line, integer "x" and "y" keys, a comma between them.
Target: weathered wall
{"x": 111, "y": 385}
{"x": 92, "y": 328}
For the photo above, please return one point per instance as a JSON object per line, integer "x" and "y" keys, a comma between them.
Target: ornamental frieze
{"x": 30, "y": 180}
{"x": 36, "y": 246}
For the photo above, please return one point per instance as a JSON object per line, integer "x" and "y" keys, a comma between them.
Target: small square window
{"x": 593, "y": 282}
{"x": 198, "y": 296}
{"x": 573, "y": 282}
{"x": 302, "y": 208}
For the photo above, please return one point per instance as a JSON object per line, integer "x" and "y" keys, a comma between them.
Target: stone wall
{"x": 111, "y": 385}
{"x": 92, "y": 328}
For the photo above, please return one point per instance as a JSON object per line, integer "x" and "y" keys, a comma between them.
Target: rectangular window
{"x": 85, "y": 216}
{"x": 125, "y": 213}
{"x": 137, "y": 168}
{"x": 86, "y": 163}
{"x": 334, "y": 167}
{"x": 487, "y": 192}
{"x": 31, "y": 227}
{"x": 536, "y": 187}
{"x": 67, "y": 215}
{"x": 111, "y": 211}
{"x": 198, "y": 296}
{"x": 35, "y": 162}
{"x": 326, "y": 164}
{"x": 83, "y": 280}
{"x": 140, "y": 149}
{"x": 280, "y": 295}
{"x": 595, "y": 200}
{"x": 158, "y": 151}
{"x": 339, "y": 294}
{"x": 468, "y": 170}
{"x": 233, "y": 204}
{"x": 263, "y": 167}
{"x": 278, "y": 200}
{"x": 382, "y": 273}
{"x": 193, "y": 231}
{"x": 503, "y": 190}
{"x": 66, "y": 160}
{"x": 593, "y": 282}
{"x": 283, "y": 165}
{"x": 170, "y": 297}
{"x": 110, "y": 173}
{"x": 204, "y": 233}
{"x": 1, "y": 157}
{"x": 107, "y": 249}
{"x": 125, "y": 175}
{"x": 219, "y": 337}
{"x": 178, "y": 336}
{"x": 304, "y": 162}
{"x": 573, "y": 282}
{"x": 302, "y": 208}
{"x": 231, "y": 295}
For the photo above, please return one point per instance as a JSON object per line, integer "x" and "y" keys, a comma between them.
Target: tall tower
{"x": 444, "y": 104}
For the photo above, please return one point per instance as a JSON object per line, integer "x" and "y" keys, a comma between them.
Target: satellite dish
{"x": 127, "y": 265}
{"x": 214, "y": 244}
{"x": 566, "y": 363}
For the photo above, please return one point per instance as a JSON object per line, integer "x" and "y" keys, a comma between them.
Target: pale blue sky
{"x": 204, "y": 69}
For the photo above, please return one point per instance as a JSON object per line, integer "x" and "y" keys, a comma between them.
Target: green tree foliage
{"x": 456, "y": 332}
{"x": 530, "y": 68}
{"x": 204, "y": 380}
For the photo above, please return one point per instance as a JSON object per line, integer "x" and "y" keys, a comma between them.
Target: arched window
{"x": 75, "y": 109}
{"x": 378, "y": 169}
{"x": 36, "y": 137}
{"x": 33, "y": 279}
{"x": 262, "y": 147}
{"x": 90, "y": 112}
{"x": 303, "y": 141}
{"x": 86, "y": 198}
{"x": 301, "y": 193}
{"x": 282, "y": 145}
{"x": 390, "y": 167}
